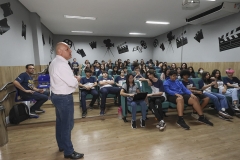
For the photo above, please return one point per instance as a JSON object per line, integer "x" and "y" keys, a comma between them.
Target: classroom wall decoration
{"x": 6, "y": 7}
{"x": 143, "y": 44}
{"x": 43, "y": 39}
{"x": 81, "y": 52}
{"x": 93, "y": 44}
{"x": 155, "y": 43}
{"x": 137, "y": 48}
{"x": 199, "y": 36}
{"x": 170, "y": 38}
{"x": 181, "y": 40}
{"x": 24, "y": 29}
{"x": 230, "y": 40}
{"x": 70, "y": 44}
{"x": 4, "y": 27}
{"x": 122, "y": 48}
{"x": 162, "y": 47}
{"x": 108, "y": 44}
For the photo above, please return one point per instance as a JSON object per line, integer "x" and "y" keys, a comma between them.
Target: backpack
{"x": 18, "y": 113}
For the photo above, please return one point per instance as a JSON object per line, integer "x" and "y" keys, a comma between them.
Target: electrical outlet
{"x": 7, "y": 120}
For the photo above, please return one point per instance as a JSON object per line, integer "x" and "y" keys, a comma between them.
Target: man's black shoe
{"x": 61, "y": 150}
{"x": 84, "y": 114}
{"x": 74, "y": 155}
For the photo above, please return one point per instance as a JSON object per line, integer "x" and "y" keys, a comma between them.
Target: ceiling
{"x": 114, "y": 17}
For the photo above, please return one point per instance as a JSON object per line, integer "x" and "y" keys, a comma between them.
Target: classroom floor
{"x": 111, "y": 139}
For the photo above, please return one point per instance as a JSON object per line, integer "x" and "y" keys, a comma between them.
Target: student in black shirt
{"x": 192, "y": 73}
{"x": 189, "y": 84}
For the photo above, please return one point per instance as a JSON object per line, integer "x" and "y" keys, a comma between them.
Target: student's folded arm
{"x": 168, "y": 90}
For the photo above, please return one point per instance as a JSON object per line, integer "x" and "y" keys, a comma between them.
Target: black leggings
{"x": 155, "y": 104}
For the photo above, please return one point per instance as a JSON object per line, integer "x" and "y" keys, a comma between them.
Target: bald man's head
{"x": 62, "y": 49}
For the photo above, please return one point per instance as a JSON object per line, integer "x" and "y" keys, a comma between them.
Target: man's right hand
{"x": 29, "y": 91}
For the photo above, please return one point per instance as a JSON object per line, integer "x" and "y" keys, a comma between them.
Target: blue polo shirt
{"x": 26, "y": 81}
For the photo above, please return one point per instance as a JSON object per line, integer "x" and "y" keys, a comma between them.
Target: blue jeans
{"x": 83, "y": 98}
{"x": 64, "y": 109}
{"x": 134, "y": 104}
{"x": 231, "y": 92}
{"x": 40, "y": 98}
{"x": 108, "y": 90}
{"x": 218, "y": 99}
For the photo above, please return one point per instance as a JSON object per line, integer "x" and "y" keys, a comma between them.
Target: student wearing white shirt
{"x": 63, "y": 84}
{"x": 87, "y": 85}
{"x": 106, "y": 87}
{"x": 219, "y": 100}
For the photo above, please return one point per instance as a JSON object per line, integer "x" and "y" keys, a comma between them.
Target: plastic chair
{"x": 18, "y": 99}
{"x": 43, "y": 81}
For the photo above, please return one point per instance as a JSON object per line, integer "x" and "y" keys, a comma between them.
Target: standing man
{"x": 24, "y": 83}
{"x": 63, "y": 84}
{"x": 75, "y": 66}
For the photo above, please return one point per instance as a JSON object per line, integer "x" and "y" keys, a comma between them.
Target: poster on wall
{"x": 230, "y": 40}
{"x": 155, "y": 43}
{"x": 70, "y": 44}
{"x": 199, "y": 36}
{"x": 182, "y": 39}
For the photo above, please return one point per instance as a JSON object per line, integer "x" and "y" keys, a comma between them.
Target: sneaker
{"x": 39, "y": 111}
{"x": 182, "y": 124}
{"x": 142, "y": 122}
{"x": 225, "y": 114}
{"x": 222, "y": 117}
{"x": 162, "y": 125}
{"x": 133, "y": 124}
{"x": 102, "y": 113}
{"x": 235, "y": 107}
{"x": 195, "y": 115}
{"x": 84, "y": 114}
{"x": 203, "y": 119}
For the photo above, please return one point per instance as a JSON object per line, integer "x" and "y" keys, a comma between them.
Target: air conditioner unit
{"x": 190, "y": 3}
{"x": 214, "y": 13}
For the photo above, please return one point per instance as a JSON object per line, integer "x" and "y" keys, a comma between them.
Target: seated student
{"x": 88, "y": 84}
{"x": 184, "y": 66}
{"x": 189, "y": 84}
{"x": 24, "y": 82}
{"x": 115, "y": 71}
{"x": 102, "y": 68}
{"x": 106, "y": 87}
{"x": 165, "y": 74}
{"x": 120, "y": 79}
{"x": 125, "y": 70}
{"x": 178, "y": 72}
{"x": 137, "y": 73}
{"x": 97, "y": 69}
{"x": 232, "y": 84}
{"x": 128, "y": 90}
{"x": 173, "y": 66}
{"x": 156, "y": 98}
{"x": 200, "y": 71}
{"x": 219, "y": 100}
{"x": 192, "y": 73}
{"x": 109, "y": 66}
{"x": 93, "y": 71}
{"x": 75, "y": 66}
{"x": 178, "y": 94}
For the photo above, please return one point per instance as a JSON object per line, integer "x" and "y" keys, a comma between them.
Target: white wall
{"x": 14, "y": 49}
{"x": 82, "y": 42}
{"x": 207, "y": 50}
{"x": 47, "y": 47}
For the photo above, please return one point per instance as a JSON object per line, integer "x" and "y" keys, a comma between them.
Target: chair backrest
{"x": 129, "y": 71}
{"x": 83, "y": 73}
{"x": 195, "y": 81}
{"x": 44, "y": 78}
{"x": 158, "y": 75}
{"x": 146, "y": 87}
{"x": 110, "y": 72}
{"x": 157, "y": 70}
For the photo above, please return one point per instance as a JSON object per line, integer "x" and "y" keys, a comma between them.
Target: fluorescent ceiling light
{"x": 134, "y": 33}
{"x": 80, "y": 17}
{"x": 155, "y": 22}
{"x": 82, "y": 31}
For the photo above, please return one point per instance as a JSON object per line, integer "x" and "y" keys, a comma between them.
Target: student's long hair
{"x": 205, "y": 80}
{"x": 127, "y": 81}
{"x": 214, "y": 74}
